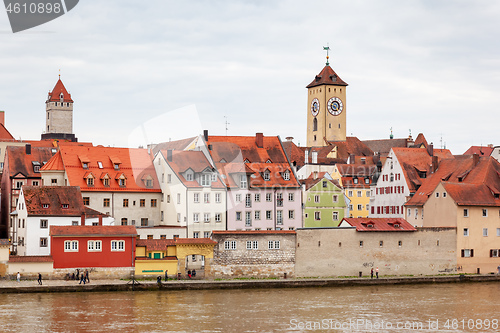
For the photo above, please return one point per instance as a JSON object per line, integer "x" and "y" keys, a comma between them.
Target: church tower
{"x": 326, "y": 108}
{"x": 59, "y": 114}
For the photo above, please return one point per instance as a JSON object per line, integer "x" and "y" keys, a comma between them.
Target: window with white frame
{"x": 206, "y": 217}
{"x": 243, "y": 181}
{"x": 189, "y": 176}
{"x": 196, "y": 217}
{"x": 71, "y": 246}
{"x": 238, "y": 198}
{"x": 485, "y": 212}
{"x": 206, "y": 197}
{"x": 316, "y": 198}
{"x": 94, "y": 245}
{"x": 248, "y": 200}
{"x": 269, "y": 197}
{"x": 252, "y": 245}
{"x": 360, "y": 207}
{"x": 169, "y": 178}
{"x": 206, "y": 234}
{"x": 291, "y": 197}
{"x": 217, "y": 197}
{"x": 248, "y": 219}
{"x": 214, "y": 177}
{"x": 279, "y": 217}
{"x": 286, "y": 175}
{"x": 178, "y": 198}
{"x": 267, "y": 175}
{"x": 230, "y": 245}
{"x": 218, "y": 217}
{"x": 495, "y": 253}
{"x": 498, "y": 232}
{"x": 44, "y": 224}
{"x": 360, "y": 194}
{"x": 205, "y": 179}
{"x": 196, "y": 234}
{"x": 238, "y": 216}
{"x": 349, "y": 193}
{"x": 196, "y": 197}
{"x": 335, "y": 216}
{"x": 269, "y": 214}
{"x": 317, "y": 216}
{"x": 117, "y": 245}
{"x": 257, "y": 197}
{"x": 467, "y": 253}
{"x": 273, "y": 245}
{"x": 257, "y": 214}
{"x": 44, "y": 242}
{"x": 291, "y": 214}
{"x": 485, "y": 232}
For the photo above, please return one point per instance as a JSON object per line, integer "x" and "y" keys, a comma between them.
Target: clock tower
{"x": 326, "y": 108}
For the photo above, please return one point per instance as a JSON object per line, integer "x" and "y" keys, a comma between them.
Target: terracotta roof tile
{"x": 5, "y": 134}
{"x": 55, "y": 197}
{"x": 55, "y": 163}
{"x": 384, "y": 146}
{"x": 94, "y": 230}
{"x": 54, "y": 95}
{"x": 480, "y": 150}
{"x": 187, "y": 241}
{"x": 30, "y": 259}
{"x": 379, "y": 224}
{"x": 134, "y": 164}
{"x": 327, "y": 76}
{"x": 155, "y": 244}
{"x": 20, "y": 162}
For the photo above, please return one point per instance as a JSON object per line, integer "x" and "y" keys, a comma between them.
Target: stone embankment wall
{"x": 259, "y": 262}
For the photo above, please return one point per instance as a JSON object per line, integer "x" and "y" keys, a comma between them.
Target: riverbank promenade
{"x": 32, "y": 286}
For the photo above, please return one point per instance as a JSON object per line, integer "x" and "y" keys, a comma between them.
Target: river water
{"x": 464, "y": 307}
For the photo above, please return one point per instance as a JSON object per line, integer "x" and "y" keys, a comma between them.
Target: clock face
{"x": 335, "y": 106}
{"x": 315, "y": 107}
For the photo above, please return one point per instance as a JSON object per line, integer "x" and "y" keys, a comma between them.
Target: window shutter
{"x": 472, "y": 253}
{"x": 463, "y": 253}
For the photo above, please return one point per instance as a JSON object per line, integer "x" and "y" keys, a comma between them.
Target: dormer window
{"x": 355, "y": 180}
{"x": 246, "y": 160}
{"x": 223, "y": 161}
{"x": 36, "y": 166}
{"x": 205, "y": 179}
{"x": 367, "y": 180}
{"x": 90, "y": 181}
{"x": 189, "y": 176}
{"x": 149, "y": 183}
{"x": 214, "y": 177}
{"x": 85, "y": 165}
{"x": 99, "y": 164}
{"x": 269, "y": 161}
{"x": 243, "y": 181}
{"x": 267, "y": 175}
{"x": 369, "y": 225}
{"x": 122, "y": 182}
{"x": 105, "y": 181}
{"x": 45, "y": 206}
{"x": 116, "y": 166}
{"x": 65, "y": 206}
{"x": 286, "y": 175}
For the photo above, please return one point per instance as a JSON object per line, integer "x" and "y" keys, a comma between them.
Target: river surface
{"x": 454, "y": 307}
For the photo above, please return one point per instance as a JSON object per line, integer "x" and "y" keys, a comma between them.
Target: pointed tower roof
{"x": 327, "y": 76}
{"x": 55, "y": 163}
{"x": 54, "y": 95}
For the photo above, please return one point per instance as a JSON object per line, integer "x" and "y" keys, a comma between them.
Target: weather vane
{"x": 327, "y": 48}
{"x": 226, "y": 124}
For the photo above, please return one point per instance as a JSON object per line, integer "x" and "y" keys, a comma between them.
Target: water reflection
{"x": 259, "y": 310}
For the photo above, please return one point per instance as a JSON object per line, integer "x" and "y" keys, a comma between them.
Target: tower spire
{"x": 59, "y": 73}
{"x": 327, "y": 48}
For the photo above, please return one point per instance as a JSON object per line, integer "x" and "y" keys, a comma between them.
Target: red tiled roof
{"x": 5, "y": 134}
{"x": 327, "y": 76}
{"x": 155, "y": 244}
{"x": 54, "y": 95}
{"x": 413, "y": 160}
{"x": 230, "y": 153}
{"x": 194, "y": 160}
{"x": 480, "y": 150}
{"x": 92, "y": 213}
{"x": 93, "y": 230}
{"x": 173, "y": 145}
{"x": 21, "y": 163}
{"x": 30, "y": 259}
{"x": 384, "y": 146}
{"x": 53, "y": 196}
{"x": 462, "y": 170}
{"x": 135, "y": 164}
{"x": 471, "y": 194}
{"x": 252, "y": 232}
{"x": 420, "y": 141}
{"x": 313, "y": 179}
{"x": 379, "y": 224}
{"x": 187, "y": 241}
{"x": 55, "y": 163}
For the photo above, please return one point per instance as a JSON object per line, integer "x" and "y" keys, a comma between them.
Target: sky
{"x": 143, "y": 72}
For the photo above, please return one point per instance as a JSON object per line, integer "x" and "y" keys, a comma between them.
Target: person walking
{"x": 18, "y": 276}
{"x": 166, "y": 275}
{"x": 82, "y": 278}
{"x": 376, "y": 272}
{"x": 87, "y": 276}
{"x": 371, "y": 273}
{"x": 39, "y": 279}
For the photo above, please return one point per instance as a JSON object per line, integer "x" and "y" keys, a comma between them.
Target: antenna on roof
{"x": 441, "y": 141}
{"x": 226, "y": 124}
{"x": 391, "y": 136}
{"x": 327, "y": 48}
{"x": 59, "y": 73}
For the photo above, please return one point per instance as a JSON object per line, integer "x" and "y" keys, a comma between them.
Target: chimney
{"x": 434, "y": 164}
{"x": 83, "y": 218}
{"x": 28, "y": 149}
{"x": 100, "y": 219}
{"x": 259, "y": 140}
{"x": 315, "y": 174}
{"x": 430, "y": 149}
{"x": 475, "y": 159}
{"x": 205, "y": 135}
{"x": 169, "y": 155}
{"x": 2, "y": 117}
{"x": 290, "y": 139}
